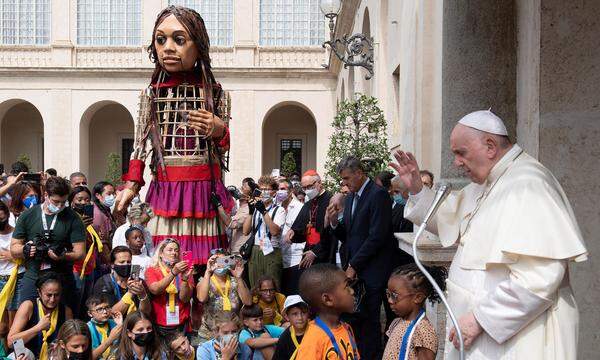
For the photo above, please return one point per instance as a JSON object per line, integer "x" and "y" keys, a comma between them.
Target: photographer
{"x": 237, "y": 221}
{"x": 50, "y": 237}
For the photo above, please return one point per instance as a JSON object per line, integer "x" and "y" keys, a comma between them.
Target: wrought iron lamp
{"x": 356, "y": 50}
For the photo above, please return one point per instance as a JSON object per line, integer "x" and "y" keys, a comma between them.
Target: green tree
{"x": 113, "y": 168}
{"x": 359, "y": 130}
{"x": 288, "y": 164}
{"x": 25, "y": 159}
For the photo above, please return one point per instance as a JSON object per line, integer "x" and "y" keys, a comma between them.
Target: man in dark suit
{"x": 371, "y": 248}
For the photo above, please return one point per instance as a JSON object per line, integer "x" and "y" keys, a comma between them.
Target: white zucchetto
{"x": 486, "y": 121}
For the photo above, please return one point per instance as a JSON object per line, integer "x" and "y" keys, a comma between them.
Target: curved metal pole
{"x": 440, "y": 195}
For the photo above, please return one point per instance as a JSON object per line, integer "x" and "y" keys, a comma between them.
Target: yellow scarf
{"x": 47, "y": 333}
{"x": 95, "y": 241}
{"x": 223, "y": 292}
{"x": 103, "y": 331}
{"x": 295, "y": 341}
{"x": 279, "y": 299}
{"x": 128, "y": 299}
{"x": 171, "y": 289}
{"x": 9, "y": 288}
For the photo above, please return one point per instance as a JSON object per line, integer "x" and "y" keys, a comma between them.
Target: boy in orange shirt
{"x": 328, "y": 292}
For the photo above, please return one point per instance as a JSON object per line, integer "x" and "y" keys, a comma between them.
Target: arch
{"x": 366, "y": 30}
{"x": 22, "y": 133}
{"x": 289, "y": 126}
{"x": 106, "y": 127}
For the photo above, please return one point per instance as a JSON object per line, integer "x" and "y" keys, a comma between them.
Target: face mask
{"x": 311, "y": 194}
{"x": 53, "y": 209}
{"x": 109, "y": 200}
{"x": 398, "y": 199}
{"x": 265, "y": 196}
{"x": 222, "y": 271}
{"x": 143, "y": 339}
{"x": 122, "y": 270}
{"x": 30, "y": 201}
{"x": 3, "y": 224}
{"x": 77, "y": 356}
{"x": 168, "y": 262}
{"x": 225, "y": 339}
{"x": 281, "y": 196}
{"x": 98, "y": 322}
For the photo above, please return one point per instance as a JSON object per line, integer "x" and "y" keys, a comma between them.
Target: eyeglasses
{"x": 309, "y": 186}
{"x": 396, "y": 297}
{"x": 103, "y": 309}
{"x": 267, "y": 291}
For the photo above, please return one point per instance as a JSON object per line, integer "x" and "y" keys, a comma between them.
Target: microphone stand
{"x": 440, "y": 195}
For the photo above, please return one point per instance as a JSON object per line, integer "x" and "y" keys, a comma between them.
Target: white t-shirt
{"x": 279, "y": 220}
{"x": 291, "y": 253}
{"x": 120, "y": 240}
{"x": 7, "y": 266}
{"x": 144, "y": 261}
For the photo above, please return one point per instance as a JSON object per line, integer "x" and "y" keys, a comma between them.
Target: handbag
{"x": 246, "y": 249}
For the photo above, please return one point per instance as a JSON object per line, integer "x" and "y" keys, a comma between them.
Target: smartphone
{"x": 223, "y": 261}
{"x": 187, "y": 257}
{"x": 32, "y": 177}
{"x": 19, "y": 347}
{"x": 85, "y": 210}
{"x": 135, "y": 272}
{"x": 256, "y": 193}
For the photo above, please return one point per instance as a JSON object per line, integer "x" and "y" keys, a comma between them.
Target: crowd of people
{"x": 85, "y": 278}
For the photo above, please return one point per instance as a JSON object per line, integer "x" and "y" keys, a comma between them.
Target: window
{"x": 217, "y": 16}
{"x": 293, "y": 146}
{"x": 109, "y": 22}
{"x": 291, "y": 23}
{"x": 24, "y": 22}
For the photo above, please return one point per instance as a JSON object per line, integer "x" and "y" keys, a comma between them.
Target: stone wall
{"x": 569, "y": 136}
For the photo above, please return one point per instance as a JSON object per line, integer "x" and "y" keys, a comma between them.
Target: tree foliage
{"x": 25, "y": 159}
{"x": 359, "y": 130}
{"x": 113, "y": 168}
{"x": 288, "y": 164}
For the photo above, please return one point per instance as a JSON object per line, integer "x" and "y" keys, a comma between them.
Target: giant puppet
{"x": 183, "y": 129}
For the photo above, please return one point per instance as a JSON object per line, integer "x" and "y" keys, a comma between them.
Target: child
{"x": 411, "y": 335}
{"x": 295, "y": 311}
{"x": 225, "y": 345}
{"x": 270, "y": 301}
{"x": 329, "y": 294}
{"x": 136, "y": 241}
{"x": 181, "y": 348}
{"x": 103, "y": 329}
{"x": 72, "y": 342}
{"x": 261, "y": 338}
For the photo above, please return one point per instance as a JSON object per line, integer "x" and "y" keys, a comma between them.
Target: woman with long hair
{"x": 183, "y": 119}
{"x": 73, "y": 342}
{"x": 103, "y": 197}
{"x": 139, "y": 340}
{"x": 171, "y": 284}
{"x": 23, "y": 195}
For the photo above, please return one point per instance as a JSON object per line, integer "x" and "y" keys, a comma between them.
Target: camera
{"x": 227, "y": 261}
{"x": 234, "y": 192}
{"x": 254, "y": 190}
{"x": 43, "y": 244}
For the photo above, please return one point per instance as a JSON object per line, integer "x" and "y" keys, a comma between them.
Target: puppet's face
{"x": 174, "y": 46}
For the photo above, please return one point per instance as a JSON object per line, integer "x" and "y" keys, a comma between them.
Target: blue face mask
{"x": 398, "y": 199}
{"x": 222, "y": 271}
{"x": 53, "y": 209}
{"x": 109, "y": 200}
{"x": 30, "y": 201}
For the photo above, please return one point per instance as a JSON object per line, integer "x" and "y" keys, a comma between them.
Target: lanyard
{"x": 260, "y": 222}
{"x": 45, "y": 223}
{"x": 404, "y": 349}
{"x": 336, "y": 348}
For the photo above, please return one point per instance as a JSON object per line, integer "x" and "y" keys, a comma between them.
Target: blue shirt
{"x": 247, "y": 334}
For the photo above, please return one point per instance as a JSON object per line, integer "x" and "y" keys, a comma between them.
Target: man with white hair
{"x": 509, "y": 280}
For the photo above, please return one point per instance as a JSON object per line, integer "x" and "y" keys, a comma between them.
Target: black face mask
{"x": 143, "y": 339}
{"x": 3, "y": 224}
{"x": 122, "y": 270}
{"x": 77, "y": 356}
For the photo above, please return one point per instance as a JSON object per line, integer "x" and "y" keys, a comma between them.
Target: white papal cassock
{"x": 517, "y": 234}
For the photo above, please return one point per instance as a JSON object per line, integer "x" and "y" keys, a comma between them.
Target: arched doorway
{"x": 289, "y": 128}
{"x": 22, "y": 129}
{"x": 106, "y": 128}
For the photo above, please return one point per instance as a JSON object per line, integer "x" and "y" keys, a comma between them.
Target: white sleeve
{"x": 417, "y": 206}
{"x": 527, "y": 293}
{"x": 279, "y": 219}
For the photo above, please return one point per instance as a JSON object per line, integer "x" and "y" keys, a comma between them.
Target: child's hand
{"x": 116, "y": 331}
{"x": 229, "y": 351}
{"x": 269, "y": 313}
{"x": 118, "y": 317}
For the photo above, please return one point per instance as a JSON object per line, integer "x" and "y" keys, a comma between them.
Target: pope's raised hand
{"x": 408, "y": 170}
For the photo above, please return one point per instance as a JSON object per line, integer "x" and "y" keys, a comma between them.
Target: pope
{"x": 516, "y": 234}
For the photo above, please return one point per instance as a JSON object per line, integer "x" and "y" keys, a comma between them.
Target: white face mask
{"x": 311, "y": 194}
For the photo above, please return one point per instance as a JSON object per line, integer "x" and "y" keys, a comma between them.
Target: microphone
{"x": 440, "y": 196}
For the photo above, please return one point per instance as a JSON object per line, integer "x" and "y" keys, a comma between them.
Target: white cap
{"x": 293, "y": 300}
{"x": 486, "y": 121}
